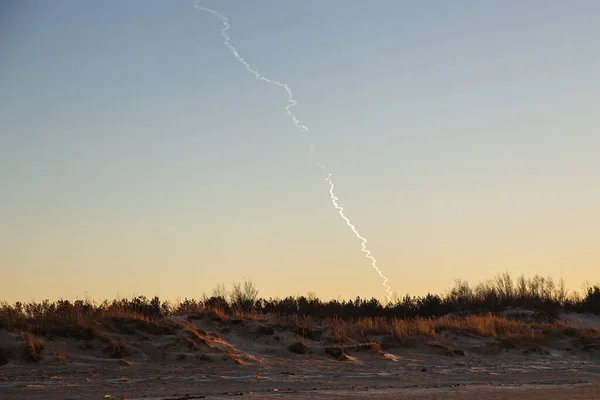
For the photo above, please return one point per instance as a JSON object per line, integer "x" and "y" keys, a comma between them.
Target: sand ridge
{"x": 215, "y": 358}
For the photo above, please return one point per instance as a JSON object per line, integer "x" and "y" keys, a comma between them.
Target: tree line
{"x": 496, "y": 295}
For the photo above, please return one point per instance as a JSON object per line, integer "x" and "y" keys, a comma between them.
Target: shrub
{"x": 33, "y": 348}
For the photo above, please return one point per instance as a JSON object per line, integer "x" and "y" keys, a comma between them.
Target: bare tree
{"x": 220, "y": 291}
{"x": 244, "y": 296}
{"x": 504, "y": 285}
{"x": 561, "y": 292}
{"x": 250, "y": 291}
{"x": 522, "y": 287}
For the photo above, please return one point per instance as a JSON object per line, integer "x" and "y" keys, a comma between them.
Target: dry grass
{"x": 587, "y": 338}
{"x": 376, "y": 347}
{"x": 197, "y": 335}
{"x": 138, "y": 323}
{"x": 116, "y": 349}
{"x": 588, "y": 333}
{"x": 191, "y": 342}
{"x": 33, "y": 348}
{"x": 83, "y": 325}
{"x": 233, "y": 354}
{"x": 406, "y": 331}
{"x": 59, "y": 354}
{"x": 336, "y": 352}
{"x": 195, "y": 332}
{"x": 218, "y": 313}
{"x": 489, "y": 325}
{"x": 402, "y": 330}
{"x": 386, "y": 332}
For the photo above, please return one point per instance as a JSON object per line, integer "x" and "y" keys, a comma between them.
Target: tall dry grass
{"x": 409, "y": 330}
{"x": 489, "y": 325}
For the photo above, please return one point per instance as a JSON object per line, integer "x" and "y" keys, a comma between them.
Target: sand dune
{"x": 203, "y": 356}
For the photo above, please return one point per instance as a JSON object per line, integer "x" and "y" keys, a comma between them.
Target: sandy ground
{"x": 546, "y": 378}
{"x": 248, "y": 360}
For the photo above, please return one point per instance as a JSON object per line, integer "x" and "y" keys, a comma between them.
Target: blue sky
{"x": 137, "y": 156}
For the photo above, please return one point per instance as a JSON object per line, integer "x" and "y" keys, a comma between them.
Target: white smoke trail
{"x": 303, "y": 129}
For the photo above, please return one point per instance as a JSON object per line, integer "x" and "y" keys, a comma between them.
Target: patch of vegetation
{"x": 197, "y": 335}
{"x": 233, "y": 355}
{"x": 409, "y": 331}
{"x": 337, "y": 352}
{"x": 375, "y": 347}
{"x": 503, "y": 307}
{"x": 116, "y": 349}
{"x": 59, "y": 352}
{"x": 33, "y": 348}
{"x": 190, "y": 342}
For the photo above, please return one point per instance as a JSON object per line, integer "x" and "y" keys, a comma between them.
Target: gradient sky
{"x": 137, "y": 156}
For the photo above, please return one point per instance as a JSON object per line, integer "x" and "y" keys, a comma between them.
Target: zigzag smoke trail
{"x": 303, "y": 129}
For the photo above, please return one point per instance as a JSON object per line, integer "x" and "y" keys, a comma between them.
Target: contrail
{"x": 303, "y": 129}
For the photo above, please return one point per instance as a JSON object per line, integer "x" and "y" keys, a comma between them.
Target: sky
{"x": 139, "y": 157}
